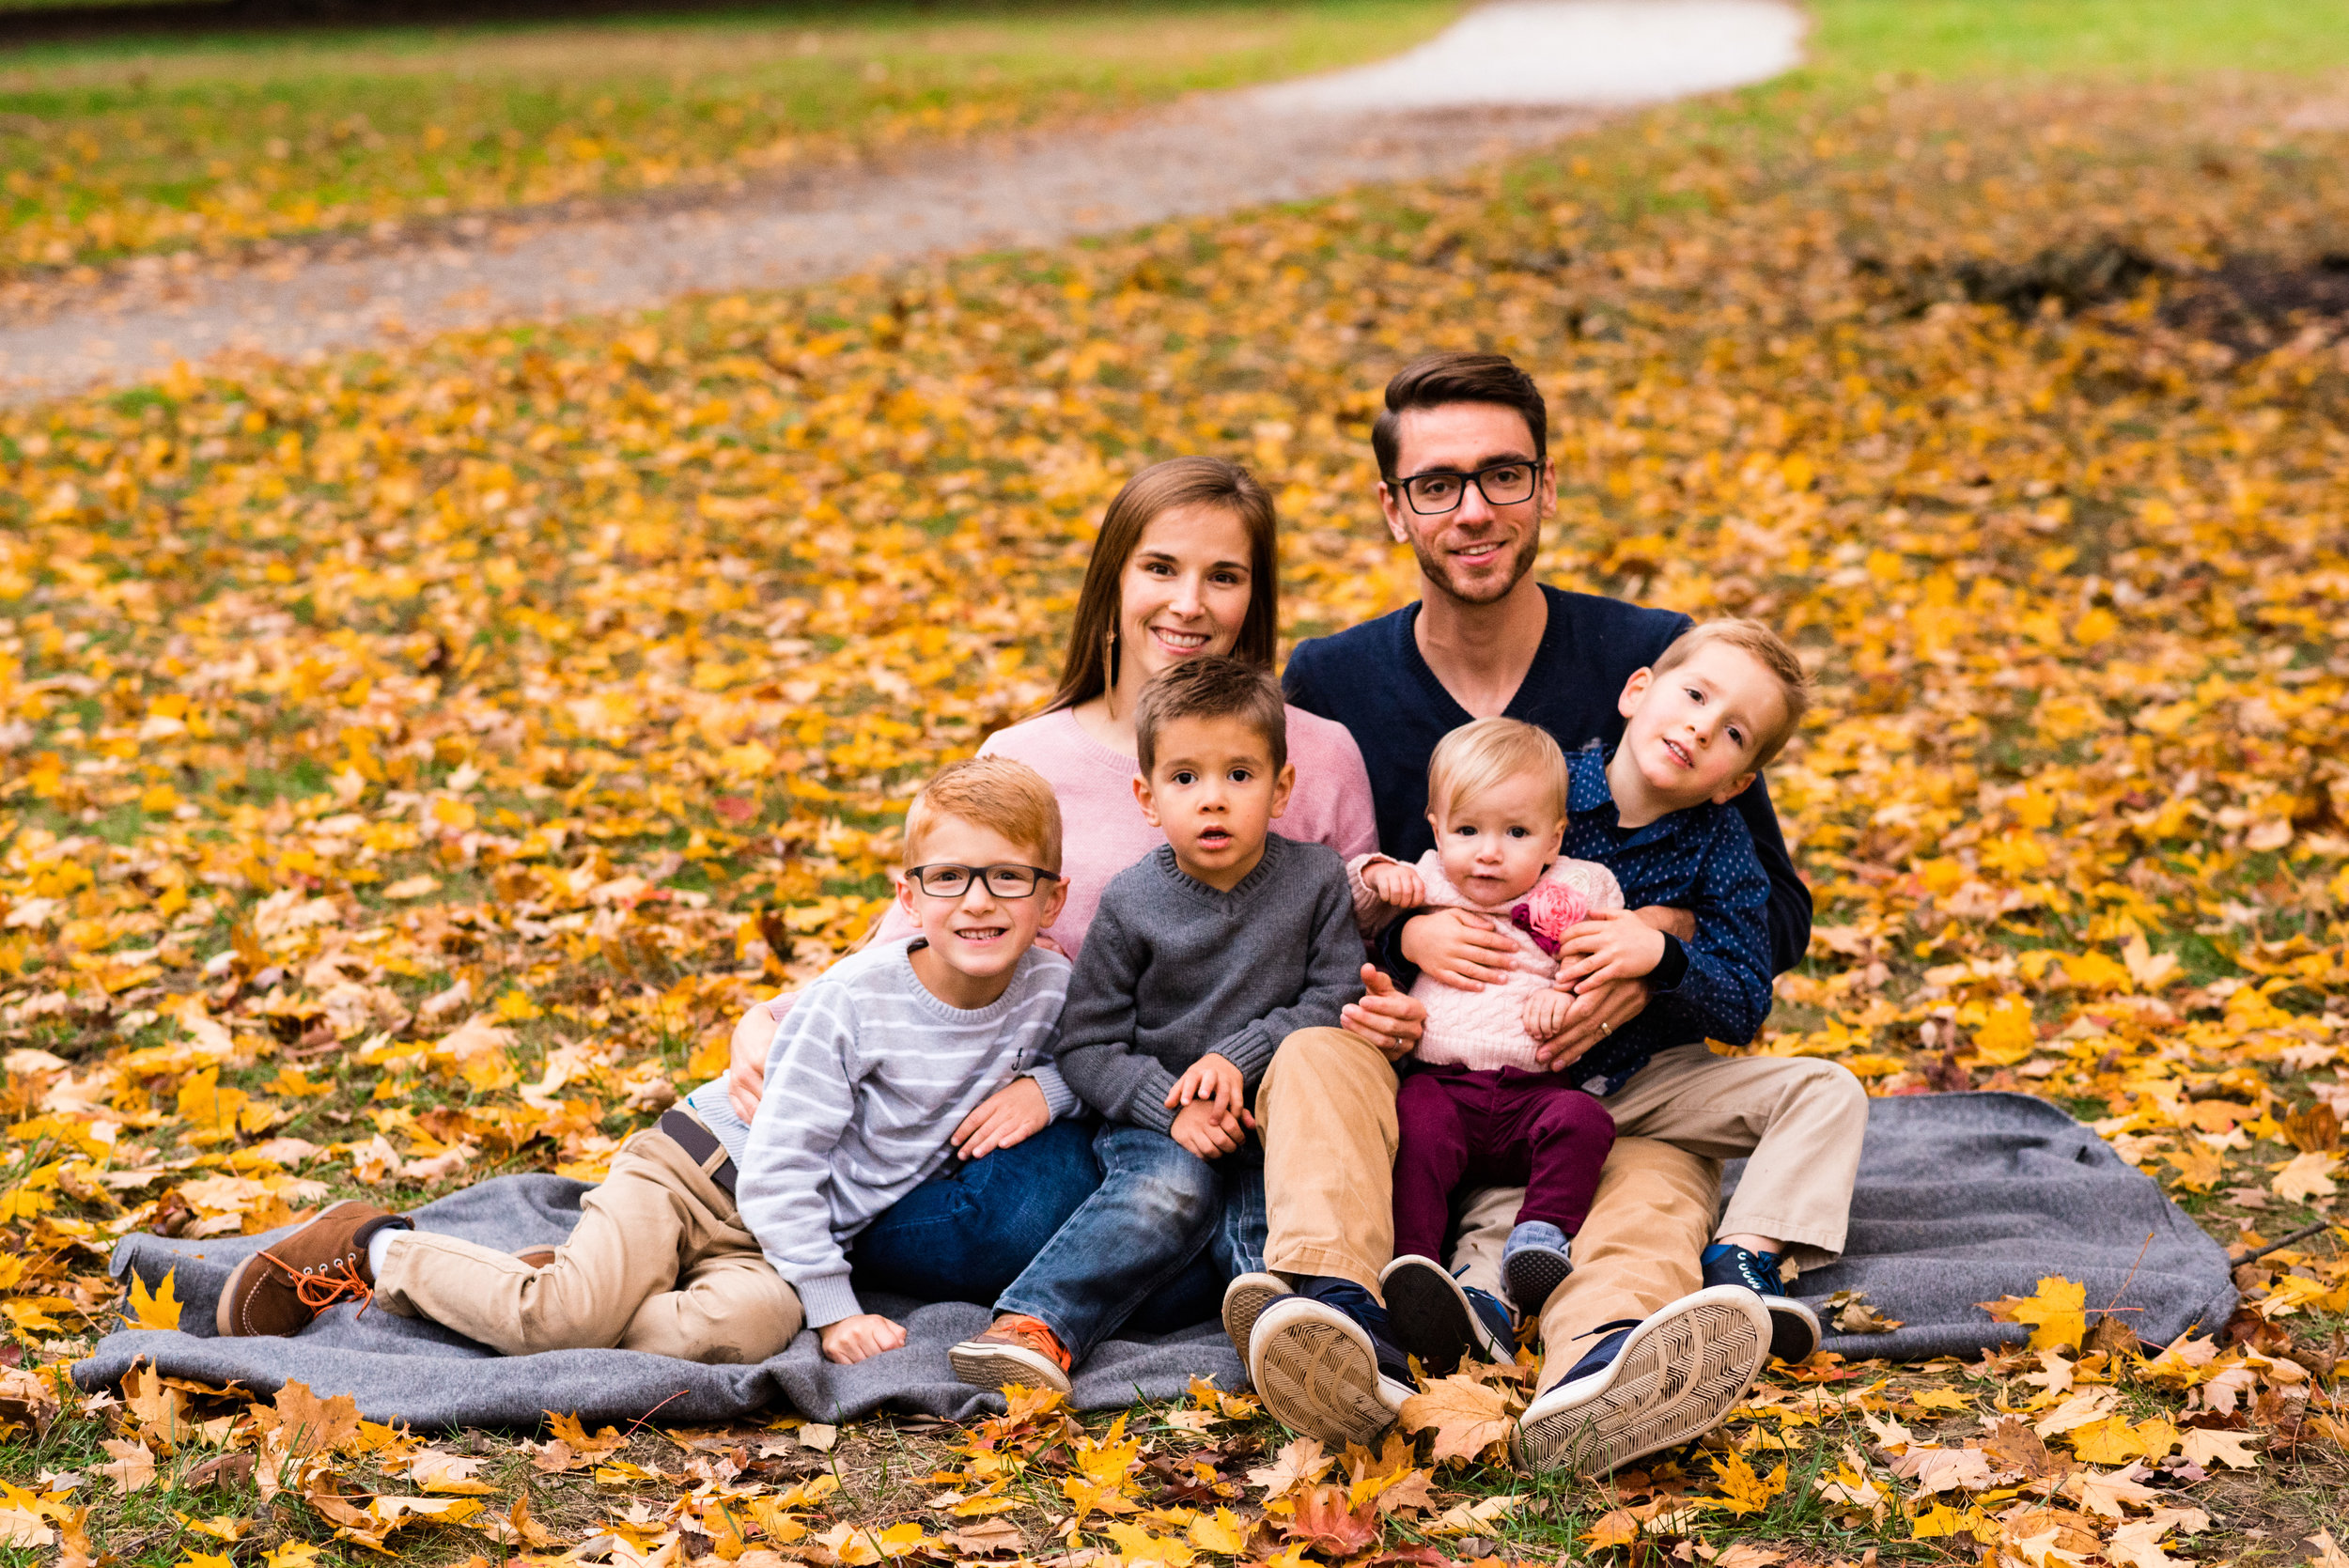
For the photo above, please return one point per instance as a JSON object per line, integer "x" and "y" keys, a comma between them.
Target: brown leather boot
{"x": 280, "y": 1289}
{"x": 536, "y": 1257}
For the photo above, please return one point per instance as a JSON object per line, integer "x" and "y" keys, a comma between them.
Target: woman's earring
{"x": 1110, "y": 663}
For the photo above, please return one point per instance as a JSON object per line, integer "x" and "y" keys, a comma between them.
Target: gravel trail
{"x": 1511, "y": 75}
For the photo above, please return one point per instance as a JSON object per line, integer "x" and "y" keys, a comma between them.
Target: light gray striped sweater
{"x": 869, "y": 1076}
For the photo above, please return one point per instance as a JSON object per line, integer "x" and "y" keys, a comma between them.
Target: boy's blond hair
{"x": 1480, "y": 754}
{"x": 1771, "y": 651}
{"x": 995, "y": 793}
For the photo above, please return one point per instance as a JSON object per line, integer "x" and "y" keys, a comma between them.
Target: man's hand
{"x": 1463, "y": 950}
{"x": 1608, "y": 947}
{"x": 1203, "y": 1128}
{"x": 852, "y": 1339}
{"x": 1594, "y": 1013}
{"x": 1665, "y": 918}
{"x": 746, "y": 1058}
{"x": 1546, "y": 1012}
{"x": 1385, "y": 1017}
{"x": 1012, "y": 1113}
{"x": 1214, "y": 1079}
{"x": 1398, "y": 886}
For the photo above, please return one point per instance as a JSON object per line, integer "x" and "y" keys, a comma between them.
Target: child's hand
{"x": 852, "y": 1339}
{"x": 1012, "y": 1113}
{"x": 1609, "y": 947}
{"x": 1398, "y": 887}
{"x": 1211, "y": 1078}
{"x": 1205, "y": 1130}
{"x": 1546, "y": 1012}
{"x": 1460, "y": 948}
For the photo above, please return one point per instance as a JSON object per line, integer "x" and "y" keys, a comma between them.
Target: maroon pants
{"x": 1500, "y": 1128}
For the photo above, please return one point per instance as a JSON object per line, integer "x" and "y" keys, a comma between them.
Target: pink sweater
{"x": 1102, "y": 829}
{"x": 1486, "y": 1030}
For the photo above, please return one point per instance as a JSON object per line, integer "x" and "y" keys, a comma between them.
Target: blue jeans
{"x": 1235, "y": 1247}
{"x": 965, "y": 1233}
{"x": 1158, "y": 1208}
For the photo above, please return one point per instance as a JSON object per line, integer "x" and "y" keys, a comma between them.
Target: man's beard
{"x": 1438, "y": 570}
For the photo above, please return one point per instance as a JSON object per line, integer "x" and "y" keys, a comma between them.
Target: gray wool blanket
{"x": 1962, "y": 1198}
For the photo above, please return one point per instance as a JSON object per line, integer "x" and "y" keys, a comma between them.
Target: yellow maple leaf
{"x": 2057, "y": 1312}
{"x": 1742, "y": 1490}
{"x": 159, "y": 1309}
{"x": 1467, "y": 1416}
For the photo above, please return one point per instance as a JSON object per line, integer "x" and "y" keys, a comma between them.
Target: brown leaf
{"x": 2316, "y": 1131}
{"x": 1467, "y": 1416}
{"x": 1324, "y": 1524}
{"x": 1300, "y": 1463}
{"x": 308, "y": 1423}
{"x": 132, "y": 1466}
{"x": 2014, "y": 1446}
{"x": 987, "y": 1535}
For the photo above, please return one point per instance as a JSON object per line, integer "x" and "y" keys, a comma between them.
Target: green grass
{"x": 128, "y": 145}
{"x": 1980, "y": 38}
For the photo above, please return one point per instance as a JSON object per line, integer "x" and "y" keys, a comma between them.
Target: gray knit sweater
{"x": 1172, "y": 970}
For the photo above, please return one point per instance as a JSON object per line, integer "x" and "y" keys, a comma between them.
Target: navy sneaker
{"x": 1533, "y": 1264}
{"x": 1441, "y": 1321}
{"x": 1647, "y": 1386}
{"x": 1794, "y": 1327}
{"x": 1325, "y": 1362}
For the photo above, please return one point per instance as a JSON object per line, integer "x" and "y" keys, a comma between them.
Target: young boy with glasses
{"x": 1203, "y": 956}
{"x": 714, "y": 1241}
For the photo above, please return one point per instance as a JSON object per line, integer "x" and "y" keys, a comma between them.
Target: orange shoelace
{"x": 1035, "y": 1333}
{"x": 339, "y": 1281}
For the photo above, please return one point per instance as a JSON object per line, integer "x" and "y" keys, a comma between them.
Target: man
{"x": 1638, "y": 1357}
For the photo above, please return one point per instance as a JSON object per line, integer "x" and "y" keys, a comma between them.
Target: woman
{"x": 1185, "y": 565}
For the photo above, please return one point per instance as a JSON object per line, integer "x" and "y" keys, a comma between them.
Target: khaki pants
{"x": 1326, "y": 1109}
{"x": 660, "y": 1262}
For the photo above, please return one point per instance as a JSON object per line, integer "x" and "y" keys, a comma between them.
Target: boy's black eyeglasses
{"x": 1440, "y": 490}
{"x": 1003, "y": 881}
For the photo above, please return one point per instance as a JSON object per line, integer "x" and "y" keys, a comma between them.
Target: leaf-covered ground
{"x": 207, "y": 148}
{"x": 414, "y": 763}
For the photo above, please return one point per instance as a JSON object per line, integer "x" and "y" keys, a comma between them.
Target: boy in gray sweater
{"x": 714, "y": 1241}
{"x": 1203, "y": 956}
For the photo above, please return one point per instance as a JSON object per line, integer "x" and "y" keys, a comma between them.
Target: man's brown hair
{"x": 1212, "y": 686}
{"x": 1432, "y": 381}
{"x": 1771, "y": 651}
{"x": 996, "y": 793}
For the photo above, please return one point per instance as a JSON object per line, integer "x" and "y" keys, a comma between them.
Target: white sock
{"x": 377, "y": 1245}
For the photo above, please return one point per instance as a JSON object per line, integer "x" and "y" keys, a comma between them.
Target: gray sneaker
{"x": 1649, "y": 1386}
{"x": 1244, "y": 1301}
{"x": 1319, "y": 1372}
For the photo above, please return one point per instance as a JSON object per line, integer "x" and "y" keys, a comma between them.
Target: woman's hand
{"x": 852, "y": 1339}
{"x": 1385, "y": 1017}
{"x": 746, "y": 1063}
{"x": 1465, "y": 950}
{"x": 1595, "y": 1012}
{"x": 1608, "y": 947}
{"x": 1398, "y": 886}
{"x": 1011, "y": 1114}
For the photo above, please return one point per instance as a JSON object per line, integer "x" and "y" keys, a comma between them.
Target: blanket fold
{"x": 1963, "y": 1198}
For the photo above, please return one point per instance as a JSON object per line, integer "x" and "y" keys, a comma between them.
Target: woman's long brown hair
{"x": 1092, "y": 668}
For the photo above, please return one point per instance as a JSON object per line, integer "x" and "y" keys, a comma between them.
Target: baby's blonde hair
{"x": 1480, "y": 754}
{"x": 1767, "y": 649}
{"x": 995, "y": 793}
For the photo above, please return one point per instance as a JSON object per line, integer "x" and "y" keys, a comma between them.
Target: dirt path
{"x": 1513, "y": 74}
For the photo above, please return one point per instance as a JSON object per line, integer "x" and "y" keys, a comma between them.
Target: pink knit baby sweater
{"x": 1486, "y": 1030}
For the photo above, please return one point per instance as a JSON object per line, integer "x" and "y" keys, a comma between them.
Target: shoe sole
{"x": 1244, "y": 1301}
{"x": 1000, "y": 1366}
{"x": 1674, "y": 1380}
{"x": 1432, "y": 1319}
{"x": 224, "y": 1315}
{"x": 1533, "y": 1276}
{"x": 1318, "y": 1378}
{"x": 1795, "y": 1330}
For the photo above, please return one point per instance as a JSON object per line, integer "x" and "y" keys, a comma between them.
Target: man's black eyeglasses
{"x": 1440, "y": 490}
{"x": 1003, "y": 881}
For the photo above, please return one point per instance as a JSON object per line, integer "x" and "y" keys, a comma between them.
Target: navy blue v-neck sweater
{"x": 1372, "y": 679}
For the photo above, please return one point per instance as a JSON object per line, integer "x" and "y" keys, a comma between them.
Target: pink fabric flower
{"x": 1548, "y": 912}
